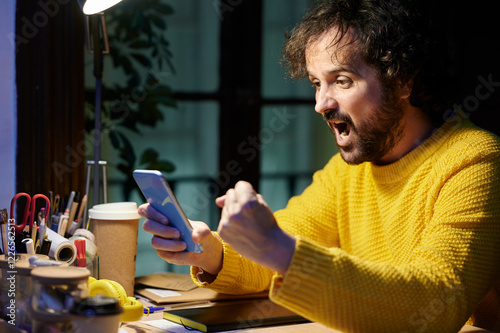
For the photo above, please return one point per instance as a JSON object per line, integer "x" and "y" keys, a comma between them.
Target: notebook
{"x": 229, "y": 316}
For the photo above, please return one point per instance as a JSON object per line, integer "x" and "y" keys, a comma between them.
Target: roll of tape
{"x": 61, "y": 248}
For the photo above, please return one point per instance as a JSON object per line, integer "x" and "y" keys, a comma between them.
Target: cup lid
{"x": 6, "y": 260}
{"x": 19, "y": 262}
{"x": 60, "y": 274}
{"x": 114, "y": 211}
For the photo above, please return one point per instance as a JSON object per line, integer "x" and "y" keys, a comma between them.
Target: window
{"x": 230, "y": 88}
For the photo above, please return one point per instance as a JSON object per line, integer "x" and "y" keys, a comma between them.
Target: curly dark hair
{"x": 396, "y": 37}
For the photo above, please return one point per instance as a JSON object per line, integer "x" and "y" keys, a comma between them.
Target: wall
{"x": 8, "y": 122}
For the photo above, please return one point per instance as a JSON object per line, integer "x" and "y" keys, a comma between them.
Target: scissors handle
{"x": 47, "y": 207}
{"x": 20, "y": 227}
{"x": 29, "y": 210}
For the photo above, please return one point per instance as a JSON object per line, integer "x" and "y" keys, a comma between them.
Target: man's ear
{"x": 406, "y": 89}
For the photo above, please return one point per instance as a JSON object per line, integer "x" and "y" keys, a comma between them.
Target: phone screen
{"x": 159, "y": 195}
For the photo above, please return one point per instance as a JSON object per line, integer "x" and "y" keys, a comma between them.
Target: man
{"x": 398, "y": 232}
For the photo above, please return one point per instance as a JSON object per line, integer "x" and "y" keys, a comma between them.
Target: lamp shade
{"x": 96, "y": 6}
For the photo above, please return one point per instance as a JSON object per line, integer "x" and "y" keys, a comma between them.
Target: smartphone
{"x": 159, "y": 195}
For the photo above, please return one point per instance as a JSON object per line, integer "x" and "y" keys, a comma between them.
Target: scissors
{"x": 29, "y": 210}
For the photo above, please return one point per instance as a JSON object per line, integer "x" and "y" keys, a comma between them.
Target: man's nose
{"x": 325, "y": 100}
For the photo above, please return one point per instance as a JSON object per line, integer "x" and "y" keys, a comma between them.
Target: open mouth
{"x": 342, "y": 131}
{"x": 342, "y": 128}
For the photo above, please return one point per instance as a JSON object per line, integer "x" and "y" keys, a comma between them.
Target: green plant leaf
{"x": 163, "y": 8}
{"x": 140, "y": 44}
{"x": 142, "y": 59}
{"x": 123, "y": 168}
{"x": 159, "y": 22}
{"x": 127, "y": 150}
{"x": 163, "y": 165}
{"x": 149, "y": 155}
{"x": 115, "y": 142}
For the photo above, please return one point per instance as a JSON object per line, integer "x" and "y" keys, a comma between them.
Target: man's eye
{"x": 315, "y": 85}
{"x": 344, "y": 83}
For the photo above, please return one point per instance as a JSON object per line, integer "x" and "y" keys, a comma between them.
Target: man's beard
{"x": 373, "y": 138}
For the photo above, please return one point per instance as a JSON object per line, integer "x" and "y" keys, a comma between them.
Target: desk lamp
{"x": 97, "y": 43}
{"x": 92, "y": 7}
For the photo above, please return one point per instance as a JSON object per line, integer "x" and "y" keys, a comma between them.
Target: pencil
{"x": 33, "y": 232}
{"x": 81, "y": 209}
{"x": 74, "y": 206}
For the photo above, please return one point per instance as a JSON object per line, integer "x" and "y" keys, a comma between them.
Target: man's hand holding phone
{"x": 171, "y": 249}
{"x": 176, "y": 239}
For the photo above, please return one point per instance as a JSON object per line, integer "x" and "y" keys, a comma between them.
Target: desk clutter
{"x": 47, "y": 230}
{"x": 202, "y": 309}
{"x": 55, "y": 278}
{"x": 62, "y": 272}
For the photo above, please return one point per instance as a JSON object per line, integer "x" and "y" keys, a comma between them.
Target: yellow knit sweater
{"x": 409, "y": 247}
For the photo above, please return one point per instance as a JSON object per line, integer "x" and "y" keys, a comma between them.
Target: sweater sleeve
{"x": 436, "y": 289}
{"x": 238, "y": 275}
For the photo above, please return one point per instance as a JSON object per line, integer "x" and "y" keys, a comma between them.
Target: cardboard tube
{"x": 61, "y": 248}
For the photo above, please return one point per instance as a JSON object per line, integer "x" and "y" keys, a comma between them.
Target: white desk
{"x": 141, "y": 327}
{"x": 167, "y": 326}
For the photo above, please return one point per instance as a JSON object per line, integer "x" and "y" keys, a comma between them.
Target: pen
{"x": 56, "y": 204}
{"x": 5, "y": 240}
{"x": 3, "y": 234}
{"x": 54, "y": 226}
{"x": 33, "y": 232}
{"x": 72, "y": 227}
{"x": 70, "y": 202}
{"x": 28, "y": 242}
{"x": 63, "y": 221}
{"x": 41, "y": 232}
{"x": 79, "y": 217}
{"x": 74, "y": 206}
{"x": 41, "y": 215}
{"x": 81, "y": 209}
{"x": 51, "y": 200}
{"x": 151, "y": 309}
{"x": 63, "y": 224}
{"x": 45, "y": 248}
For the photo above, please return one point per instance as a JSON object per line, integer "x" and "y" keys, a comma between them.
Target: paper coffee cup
{"x": 115, "y": 227}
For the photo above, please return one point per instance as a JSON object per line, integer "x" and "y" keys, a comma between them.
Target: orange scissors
{"x": 29, "y": 210}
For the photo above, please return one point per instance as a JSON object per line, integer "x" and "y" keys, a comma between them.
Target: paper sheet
{"x": 196, "y": 295}
{"x": 168, "y": 326}
{"x": 181, "y": 283}
{"x": 172, "y": 281}
{"x": 163, "y": 292}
